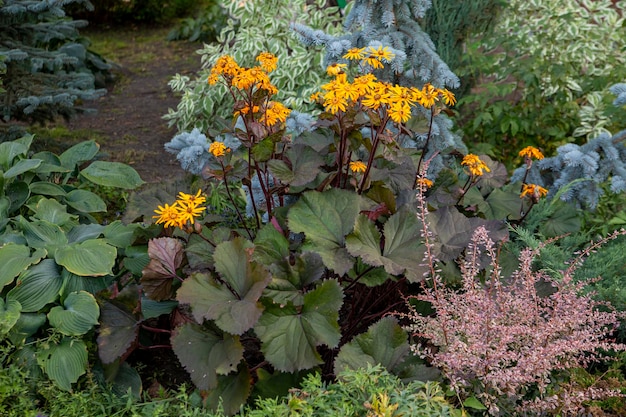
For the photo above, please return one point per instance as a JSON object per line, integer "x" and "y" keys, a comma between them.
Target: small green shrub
{"x": 204, "y": 27}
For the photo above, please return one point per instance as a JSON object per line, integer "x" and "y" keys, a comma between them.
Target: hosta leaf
{"x": 403, "y": 248}
{"x": 46, "y": 188}
{"x": 92, "y": 257}
{"x": 112, "y": 174}
{"x": 232, "y": 390}
{"x": 42, "y": 234}
{"x": 290, "y": 335}
{"x": 78, "y": 315}
{"x": 85, "y": 201}
{"x": 9, "y": 314}
{"x": 15, "y": 259}
{"x": 83, "y": 232}
{"x": 26, "y": 326}
{"x": 385, "y": 343}
{"x": 118, "y": 326}
{"x": 166, "y": 256}
{"x": 206, "y": 353}
{"x": 52, "y": 211}
{"x": 21, "y": 167}
{"x": 325, "y": 219}
{"x": 233, "y": 303}
{"x": 92, "y": 285}
{"x": 81, "y": 152}
{"x": 121, "y": 235}
{"x": 37, "y": 286}
{"x": 65, "y": 362}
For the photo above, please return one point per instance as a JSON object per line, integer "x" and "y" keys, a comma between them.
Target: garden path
{"x": 128, "y": 122}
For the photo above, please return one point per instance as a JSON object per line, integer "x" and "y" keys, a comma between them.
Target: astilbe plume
{"x": 498, "y": 338}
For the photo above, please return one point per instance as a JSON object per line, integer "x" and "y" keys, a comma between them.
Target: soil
{"x": 128, "y": 122}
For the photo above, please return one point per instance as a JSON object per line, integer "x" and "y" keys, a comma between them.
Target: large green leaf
{"x": 92, "y": 257}
{"x": 304, "y": 165}
{"x": 233, "y": 301}
{"x": 166, "y": 256}
{"x": 403, "y": 249}
{"x": 42, "y": 234}
{"x": 21, "y": 167}
{"x": 112, "y": 174}
{"x": 81, "y": 152}
{"x": 26, "y": 326}
{"x": 385, "y": 343}
{"x": 325, "y": 219}
{"x": 64, "y": 362}
{"x": 92, "y": 285}
{"x": 121, "y": 235}
{"x": 17, "y": 193}
{"x": 78, "y": 315}
{"x": 15, "y": 259}
{"x": 39, "y": 285}
{"x": 82, "y": 232}
{"x": 290, "y": 335}
{"x": 85, "y": 201}
{"x": 231, "y": 392}
{"x": 52, "y": 211}
{"x": 9, "y": 314}
{"x": 9, "y": 150}
{"x": 119, "y": 328}
{"x": 564, "y": 219}
{"x": 206, "y": 353}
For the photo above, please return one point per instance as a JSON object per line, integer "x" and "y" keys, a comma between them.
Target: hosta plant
{"x": 54, "y": 256}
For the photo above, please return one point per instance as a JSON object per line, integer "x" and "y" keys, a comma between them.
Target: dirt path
{"x": 128, "y": 123}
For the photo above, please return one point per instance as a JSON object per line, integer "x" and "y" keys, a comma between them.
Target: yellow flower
{"x": 376, "y": 97}
{"x": 275, "y": 112}
{"x": 168, "y": 215}
{"x": 188, "y": 211}
{"x": 428, "y": 96}
{"x": 381, "y": 53}
{"x": 531, "y": 152}
{"x": 355, "y": 53}
{"x": 475, "y": 165}
{"x": 315, "y": 96}
{"x": 425, "y": 182}
{"x": 335, "y": 69}
{"x": 448, "y": 97}
{"x": 373, "y": 62}
{"x": 192, "y": 199}
{"x": 534, "y": 191}
{"x": 401, "y": 95}
{"x": 218, "y": 149}
{"x": 268, "y": 61}
{"x": 365, "y": 83}
{"x": 333, "y": 103}
{"x": 400, "y": 113}
{"x": 357, "y": 166}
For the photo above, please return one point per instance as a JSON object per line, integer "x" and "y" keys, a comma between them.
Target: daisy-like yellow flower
{"x": 381, "y": 53}
{"x": 448, "y": 97}
{"x": 531, "y": 152}
{"x": 315, "y": 96}
{"x": 428, "y": 96}
{"x": 373, "y": 62}
{"x": 534, "y": 191}
{"x": 378, "y": 96}
{"x": 268, "y": 61}
{"x": 192, "y": 199}
{"x": 168, "y": 215}
{"x": 218, "y": 149}
{"x": 333, "y": 103}
{"x": 475, "y": 165}
{"x": 357, "y": 166}
{"x": 425, "y": 182}
{"x": 275, "y": 112}
{"x": 365, "y": 83}
{"x": 335, "y": 69}
{"x": 244, "y": 79}
{"x": 187, "y": 212}
{"x": 355, "y": 53}
{"x": 245, "y": 110}
{"x": 401, "y": 95}
{"x": 400, "y": 113}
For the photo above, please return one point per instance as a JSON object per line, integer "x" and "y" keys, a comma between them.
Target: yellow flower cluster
{"x": 249, "y": 81}
{"x": 531, "y": 152}
{"x": 534, "y": 191}
{"x": 475, "y": 165}
{"x": 366, "y": 90}
{"x": 357, "y": 166}
{"x": 184, "y": 210}
{"x": 218, "y": 149}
